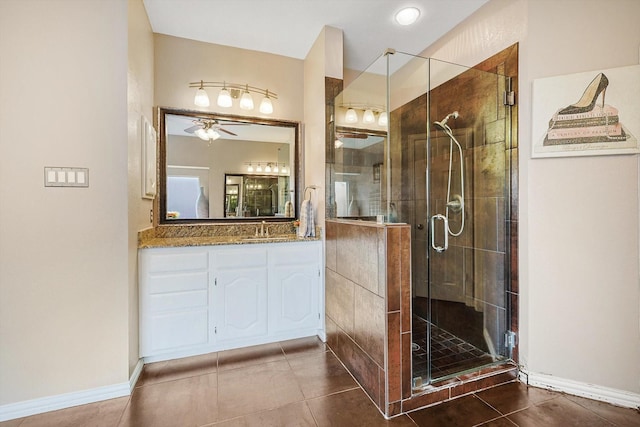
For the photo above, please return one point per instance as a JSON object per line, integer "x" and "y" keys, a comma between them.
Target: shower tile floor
{"x": 450, "y": 355}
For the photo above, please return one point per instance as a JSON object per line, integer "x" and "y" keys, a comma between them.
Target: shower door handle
{"x": 445, "y": 222}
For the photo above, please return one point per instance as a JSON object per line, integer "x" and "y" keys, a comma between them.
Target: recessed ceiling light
{"x": 407, "y": 16}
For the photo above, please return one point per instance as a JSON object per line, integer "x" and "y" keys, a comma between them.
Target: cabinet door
{"x": 294, "y": 287}
{"x": 293, "y": 297}
{"x": 174, "y": 300}
{"x": 240, "y": 294}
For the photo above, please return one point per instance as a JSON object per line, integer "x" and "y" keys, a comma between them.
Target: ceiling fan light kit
{"x": 231, "y": 91}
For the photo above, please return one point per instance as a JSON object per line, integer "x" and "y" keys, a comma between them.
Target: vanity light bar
{"x": 230, "y": 91}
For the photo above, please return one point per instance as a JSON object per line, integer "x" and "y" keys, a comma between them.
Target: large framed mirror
{"x": 219, "y": 168}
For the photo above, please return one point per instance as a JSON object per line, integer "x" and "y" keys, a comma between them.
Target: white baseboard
{"x": 61, "y": 401}
{"x": 68, "y": 400}
{"x": 135, "y": 374}
{"x": 590, "y": 391}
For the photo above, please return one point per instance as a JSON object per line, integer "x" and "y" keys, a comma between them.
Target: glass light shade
{"x": 267, "y": 168}
{"x": 407, "y": 16}
{"x": 213, "y": 135}
{"x": 201, "y": 99}
{"x": 284, "y": 169}
{"x": 246, "y": 102}
{"x": 259, "y": 168}
{"x": 276, "y": 169}
{"x": 266, "y": 107}
{"x": 250, "y": 168}
{"x": 368, "y": 117}
{"x": 383, "y": 119}
{"x": 224, "y": 98}
{"x": 202, "y": 134}
{"x": 351, "y": 116}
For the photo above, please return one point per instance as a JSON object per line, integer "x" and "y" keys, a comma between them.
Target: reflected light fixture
{"x": 276, "y": 169}
{"x": 250, "y": 168}
{"x": 259, "y": 168}
{"x": 268, "y": 168}
{"x": 368, "y": 117}
{"x": 351, "y": 116}
{"x": 201, "y": 99}
{"x": 232, "y": 91}
{"x": 407, "y": 16}
{"x": 383, "y": 119}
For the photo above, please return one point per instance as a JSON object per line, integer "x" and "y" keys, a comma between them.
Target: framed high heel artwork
{"x": 587, "y": 114}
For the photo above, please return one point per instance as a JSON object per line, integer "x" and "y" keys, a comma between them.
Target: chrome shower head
{"x": 443, "y": 124}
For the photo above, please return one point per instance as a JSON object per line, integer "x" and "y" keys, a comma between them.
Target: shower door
{"x": 455, "y": 190}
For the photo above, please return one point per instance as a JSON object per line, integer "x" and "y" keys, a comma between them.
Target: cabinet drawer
{"x": 242, "y": 257}
{"x": 295, "y": 254}
{"x": 177, "y": 282}
{"x": 180, "y": 261}
{"x": 179, "y": 301}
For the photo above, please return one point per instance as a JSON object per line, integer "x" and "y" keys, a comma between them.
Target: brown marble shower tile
{"x": 369, "y": 323}
{"x": 514, "y": 182}
{"x": 332, "y": 333}
{"x": 340, "y": 295}
{"x": 486, "y": 224}
{"x": 465, "y": 411}
{"x": 361, "y": 366}
{"x": 488, "y": 171}
{"x": 249, "y": 356}
{"x": 558, "y": 412}
{"x": 330, "y": 245}
{"x": 494, "y": 131}
{"x": 321, "y": 374}
{"x": 489, "y": 277}
{"x": 405, "y": 284}
{"x": 100, "y": 414}
{"x": 394, "y": 357}
{"x": 513, "y": 265}
{"x": 256, "y": 388}
{"x": 357, "y": 255}
{"x": 177, "y": 369}
{"x": 394, "y": 268}
{"x": 382, "y": 266}
{"x": 405, "y": 377}
{"x": 482, "y": 383}
{"x": 351, "y": 408}
{"x": 189, "y": 401}
{"x": 428, "y": 398}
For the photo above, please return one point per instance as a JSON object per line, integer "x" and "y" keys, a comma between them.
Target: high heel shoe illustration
{"x": 589, "y": 97}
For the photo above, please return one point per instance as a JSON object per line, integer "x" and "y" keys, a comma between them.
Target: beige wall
{"x": 323, "y": 60}
{"x": 63, "y": 251}
{"x": 180, "y": 61}
{"x": 140, "y": 102}
{"x": 579, "y": 217}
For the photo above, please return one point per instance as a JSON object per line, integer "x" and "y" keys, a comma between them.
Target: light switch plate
{"x": 66, "y": 177}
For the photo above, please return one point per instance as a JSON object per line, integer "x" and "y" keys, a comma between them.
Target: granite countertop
{"x": 218, "y": 234}
{"x": 165, "y": 242}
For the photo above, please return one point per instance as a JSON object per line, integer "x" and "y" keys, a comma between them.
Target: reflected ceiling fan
{"x": 209, "y": 130}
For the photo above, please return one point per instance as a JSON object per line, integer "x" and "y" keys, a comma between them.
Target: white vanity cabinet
{"x": 195, "y": 300}
{"x": 175, "y": 299}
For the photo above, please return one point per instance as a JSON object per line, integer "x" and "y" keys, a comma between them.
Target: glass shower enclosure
{"x": 422, "y": 141}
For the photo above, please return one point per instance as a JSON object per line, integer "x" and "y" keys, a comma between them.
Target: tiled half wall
{"x": 368, "y": 316}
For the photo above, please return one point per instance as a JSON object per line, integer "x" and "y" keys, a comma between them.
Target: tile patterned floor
{"x": 450, "y": 355}
{"x": 301, "y": 383}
